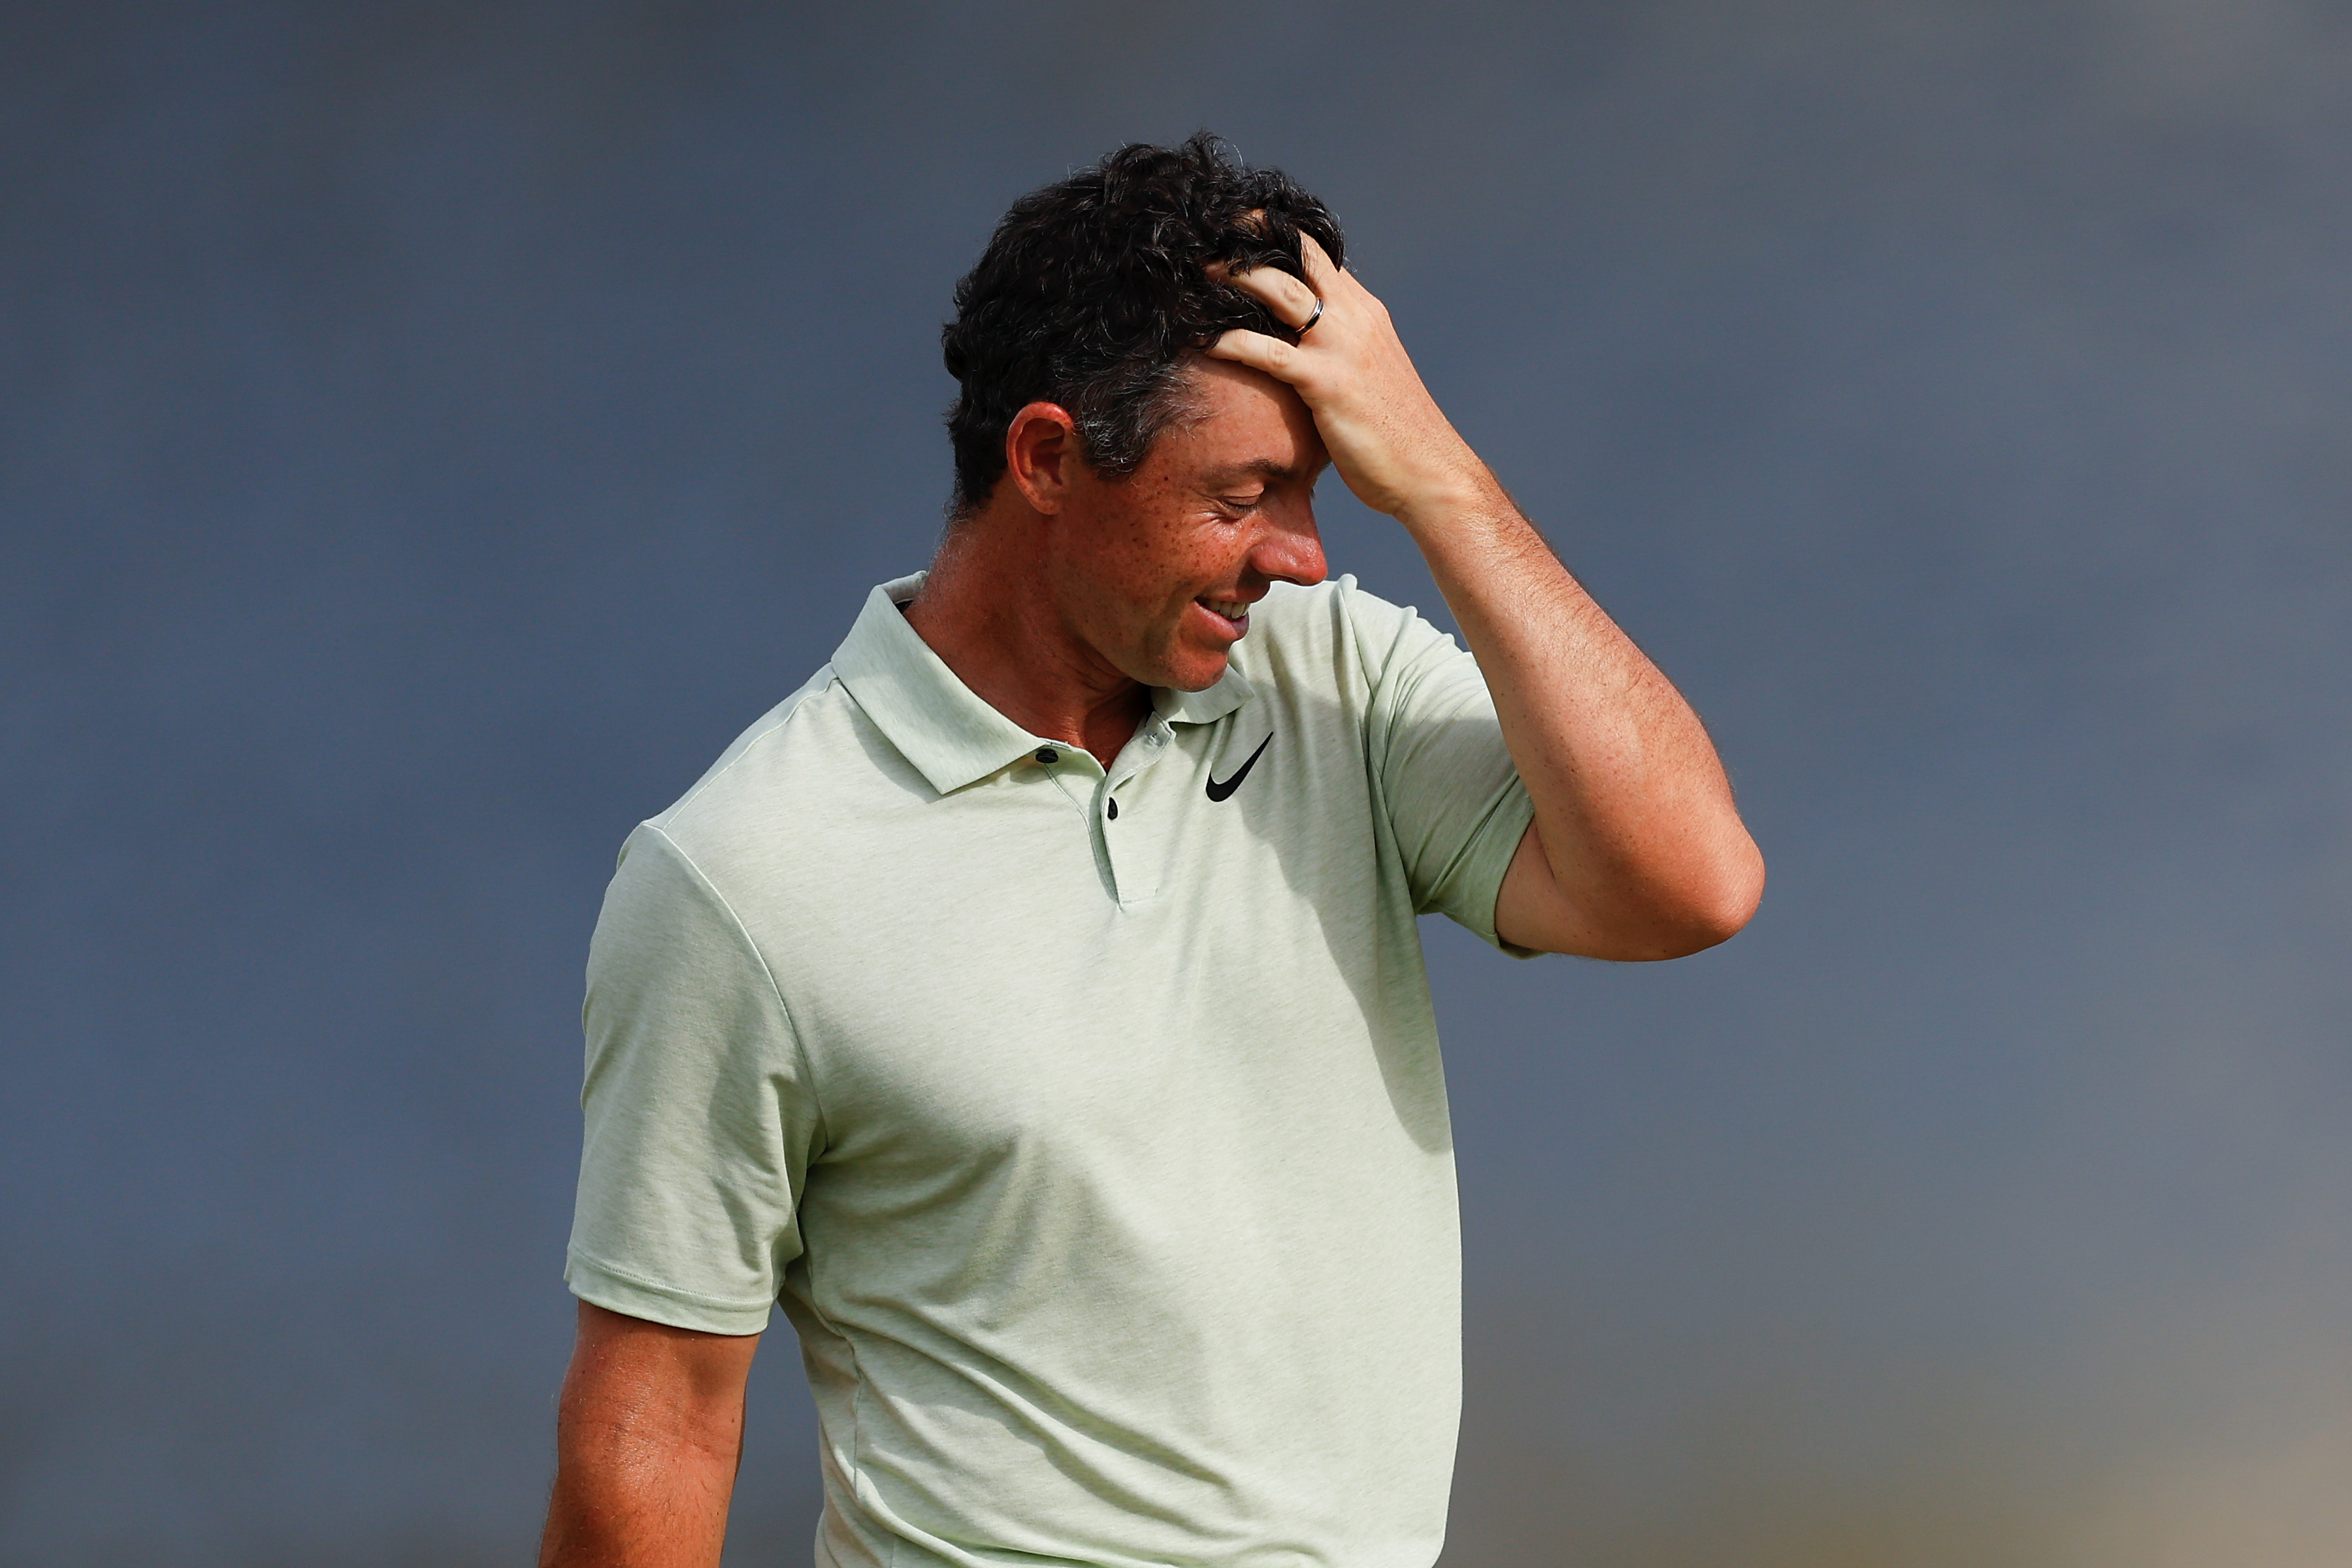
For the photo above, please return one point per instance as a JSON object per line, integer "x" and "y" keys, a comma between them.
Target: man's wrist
{"x": 1447, "y": 503}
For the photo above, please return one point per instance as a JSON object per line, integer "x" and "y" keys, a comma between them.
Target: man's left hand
{"x": 1386, "y": 434}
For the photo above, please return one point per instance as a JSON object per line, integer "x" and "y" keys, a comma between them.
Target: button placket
{"x": 1125, "y": 847}
{"x": 1076, "y": 776}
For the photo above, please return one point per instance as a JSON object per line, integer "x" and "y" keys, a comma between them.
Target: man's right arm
{"x": 648, "y": 1434}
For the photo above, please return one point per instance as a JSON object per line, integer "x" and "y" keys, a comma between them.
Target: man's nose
{"x": 1291, "y": 548}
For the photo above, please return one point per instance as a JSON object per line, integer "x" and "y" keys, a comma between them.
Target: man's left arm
{"x": 1636, "y": 850}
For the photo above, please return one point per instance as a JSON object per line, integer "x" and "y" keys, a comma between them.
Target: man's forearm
{"x": 1633, "y": 813}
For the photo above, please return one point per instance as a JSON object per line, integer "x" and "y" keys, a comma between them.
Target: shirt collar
{"x": 939, "y": 724}
{"x": 1206, "y": 706}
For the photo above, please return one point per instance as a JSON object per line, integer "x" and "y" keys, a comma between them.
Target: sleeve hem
{"x": 601, "y": 1284}
{"x": 1495, "y": 844}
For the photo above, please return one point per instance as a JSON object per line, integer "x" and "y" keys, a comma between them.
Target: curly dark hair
{"x": 1094, "y": 293}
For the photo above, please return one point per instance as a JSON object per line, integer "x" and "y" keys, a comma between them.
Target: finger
{"x": 1321, "y": 274}
{"x": 1257, "y": 351}
{"x": 1291, "y": 301}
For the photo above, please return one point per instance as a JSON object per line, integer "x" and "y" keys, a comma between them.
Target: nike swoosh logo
{"x": 1220, "y": 791}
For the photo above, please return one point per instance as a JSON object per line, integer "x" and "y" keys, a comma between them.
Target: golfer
{"x": 1032, "y": 1003}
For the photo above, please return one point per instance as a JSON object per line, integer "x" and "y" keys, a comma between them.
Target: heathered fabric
{"x": 1102, "y": 1163}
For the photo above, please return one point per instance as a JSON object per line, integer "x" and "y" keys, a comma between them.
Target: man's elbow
{"x": 1703, "y": 908}
{"x": 1719, "y": 904}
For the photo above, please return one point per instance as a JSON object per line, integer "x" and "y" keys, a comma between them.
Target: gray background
{"x": 429, "y": 432}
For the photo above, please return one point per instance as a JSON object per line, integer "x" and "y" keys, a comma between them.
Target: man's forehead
{"x": 1245, "y": 421}
{"x": 1222, "y": 382}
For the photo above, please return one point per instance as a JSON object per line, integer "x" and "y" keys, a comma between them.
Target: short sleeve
{"x": 698, "y": 1119}
{"x": 1454, "y": 803}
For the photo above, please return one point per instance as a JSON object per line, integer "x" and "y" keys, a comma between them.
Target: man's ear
{"x": 1041, "y": 445}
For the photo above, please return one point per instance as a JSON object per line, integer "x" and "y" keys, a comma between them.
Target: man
{"x": 1034, "y": 1001}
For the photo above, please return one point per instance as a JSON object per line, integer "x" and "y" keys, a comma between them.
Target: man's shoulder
{"x": 1321, "y": 632}
{"x": 796, "y": 746}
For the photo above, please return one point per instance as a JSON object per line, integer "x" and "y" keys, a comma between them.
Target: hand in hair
{"x": 1385, "y": 433}
{"x": 1637, "y": 850}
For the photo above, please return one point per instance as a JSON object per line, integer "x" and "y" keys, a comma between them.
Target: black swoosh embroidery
{"x": 1220, "y": 791}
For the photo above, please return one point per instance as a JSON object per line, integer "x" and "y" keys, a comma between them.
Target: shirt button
{"x": 1047, "y": 755}
{"x": 1111, "y": 810}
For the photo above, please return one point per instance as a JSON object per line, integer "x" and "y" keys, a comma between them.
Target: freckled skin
{"x": 1130, "y": 558}
{"x": 1070, "y": 593}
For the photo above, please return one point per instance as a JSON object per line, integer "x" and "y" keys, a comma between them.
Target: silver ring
{"x": 1308, "y": 324}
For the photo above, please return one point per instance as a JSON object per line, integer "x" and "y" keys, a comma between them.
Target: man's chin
{"x": 1195, "y": 671}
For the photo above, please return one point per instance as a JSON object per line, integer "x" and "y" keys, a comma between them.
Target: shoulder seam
{"x": 800, "y": 1047}
{"x": 823, "y": 679}
{"x": 1372, "y": 666}
{"x": 1386, "y": 658}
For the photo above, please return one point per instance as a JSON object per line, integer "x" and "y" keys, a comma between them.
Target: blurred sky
{"x": 428, "y": 433}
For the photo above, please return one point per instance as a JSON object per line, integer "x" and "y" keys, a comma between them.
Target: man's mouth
{"x": 1234, "y": 613}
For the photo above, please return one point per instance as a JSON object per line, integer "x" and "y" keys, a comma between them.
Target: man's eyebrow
{"x": 1256, "y": 467}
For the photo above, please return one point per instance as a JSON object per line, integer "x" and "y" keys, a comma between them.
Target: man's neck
{"x": 986, "y": 611}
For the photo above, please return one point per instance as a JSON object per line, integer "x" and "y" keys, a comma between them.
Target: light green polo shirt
{"x": 1088, "y": 1123}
